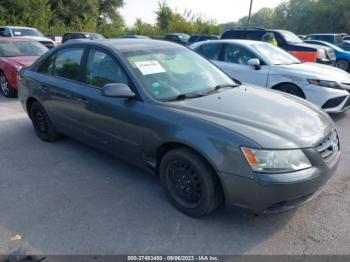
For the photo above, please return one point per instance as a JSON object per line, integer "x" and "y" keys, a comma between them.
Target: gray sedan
{"x": 165, "y": 108}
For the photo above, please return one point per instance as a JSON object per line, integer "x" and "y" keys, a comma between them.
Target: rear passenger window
{"x": 67, "y": 63}
{"x": 103, "y": 69}
{"x": 238, "y": 34}
{"x": 210, "y": 51}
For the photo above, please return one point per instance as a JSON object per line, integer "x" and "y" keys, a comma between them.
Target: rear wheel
{"x": 5, "y": 86}
{"x": 342, "y": 64}
{"x": 42, "y": 123}
{"x": 290, "y": 89}
{"x": 190, "y": 182}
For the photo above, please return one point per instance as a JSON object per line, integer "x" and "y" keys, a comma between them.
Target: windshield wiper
{"x": 218, "y": 88}
{"x": 183, "y": 97}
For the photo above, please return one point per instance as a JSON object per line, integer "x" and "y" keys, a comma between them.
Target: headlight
{"x": 321, "y": 54}
{"x": 18, "y": 67}
{"x": 330, "y": 84}
{"x": 276, "y": 161}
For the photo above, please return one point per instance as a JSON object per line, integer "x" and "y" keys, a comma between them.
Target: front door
{"x": 234, "y": 61}
{"x": 116, "y": 124}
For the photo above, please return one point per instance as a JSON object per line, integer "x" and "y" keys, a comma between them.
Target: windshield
{"x": 170, "y": 72}
{"x": 26, "y": 32}
{"x": 290, "y": 37}
{"x": 97, "y": 36}
{"x": 275, "y": 55}
{"x": 184, "y": 37}
{"x": 25, "y": 48}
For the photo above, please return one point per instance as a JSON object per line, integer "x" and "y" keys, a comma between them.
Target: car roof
{"x": 227, "y": 41}
{"x": 80, "y": 33}
{"x": 20, "y": 27}
{"x": 326, "y": 34}
{"x": 16, "y": 39}
{"x": 177, "y": 34}
{"x": 127, "y": 43}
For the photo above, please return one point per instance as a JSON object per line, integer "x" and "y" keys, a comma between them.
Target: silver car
{"x": 265, "y": 65}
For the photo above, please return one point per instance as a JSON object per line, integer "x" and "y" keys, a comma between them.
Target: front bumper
{"x": 329, "y": 99}
{"x": 277, "y": 192}
{"x": 326, "y": 62}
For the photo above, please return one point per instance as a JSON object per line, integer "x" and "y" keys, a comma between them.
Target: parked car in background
{"x": 301, "y": 36}
{"x": 335, "y": 39}
{"x": 178, "y": 38}
{"x": 134, "y": 36}
{"x": 16, "y": 53}
{"x": 26, "y": 32}
{"x": 162, "y": 106}
{"x": 287, "y": 41}
{"x": 200, "y": 38}
{"x": 346, "y": 38}
{"x": 56, "y": 38}
{"x": 81, "y": 35}
{"x": 265, "y": 65}
{"x": 342, "y": 56}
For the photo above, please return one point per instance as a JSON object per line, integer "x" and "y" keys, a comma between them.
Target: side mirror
{"x": 117, "y": 90}
{"x": 255, "y": 62}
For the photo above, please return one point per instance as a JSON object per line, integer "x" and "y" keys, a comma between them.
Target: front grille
{"x": 329, "y": 148}
{"x": 347, "y": 104}
{"x": 334, "y": 102}
{"x": 47, "y": 44}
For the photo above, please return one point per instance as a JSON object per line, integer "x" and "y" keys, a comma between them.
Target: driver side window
{"x": 237, "y": 54}
{"x": 103, "y": 69}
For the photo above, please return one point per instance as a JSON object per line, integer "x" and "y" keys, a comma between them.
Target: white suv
{"x": 27, "y": 32}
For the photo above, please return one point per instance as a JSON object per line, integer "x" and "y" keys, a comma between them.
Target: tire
{"x": 42, "y": 123}
{"x": 190, "y": 182}
{"x": 5, "y": 87}
{"x": 342, "y": 64}
{"x": 291, "y": 89}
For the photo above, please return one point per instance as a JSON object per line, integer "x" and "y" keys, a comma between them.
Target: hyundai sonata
{"x": 164, "y": 107}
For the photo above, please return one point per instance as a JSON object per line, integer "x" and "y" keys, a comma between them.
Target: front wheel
{"x": 42, "y": 123}
{"x": 190, "y": 182}
{"x": 342, "y": 64}
{"x": 5, "y": 86}
{"x": 291, "y": 89}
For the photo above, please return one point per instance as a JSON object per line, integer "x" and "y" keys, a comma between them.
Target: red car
{"x": 14, "y": 54}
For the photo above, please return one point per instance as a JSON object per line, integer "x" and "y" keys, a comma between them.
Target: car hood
{"x": 21, "y": 60}
{"x": 318, "y": 71}
{"x": 269, "y": 118}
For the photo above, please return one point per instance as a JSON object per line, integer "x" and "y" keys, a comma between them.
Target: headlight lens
{"x": 276, "y": 161}
{"x": 18, "y": 68}
{"x": 330, "y": 84}
{"x": 321, "y": 54}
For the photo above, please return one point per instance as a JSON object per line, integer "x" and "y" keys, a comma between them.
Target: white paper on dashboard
{"x": 150, "y": 67}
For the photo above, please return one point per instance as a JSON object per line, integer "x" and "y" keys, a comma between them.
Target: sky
{"x": 222, "y": 11}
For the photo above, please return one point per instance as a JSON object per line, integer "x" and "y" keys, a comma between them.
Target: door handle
{"x": 43, "y": 88}
{"x": 83, "y": 100}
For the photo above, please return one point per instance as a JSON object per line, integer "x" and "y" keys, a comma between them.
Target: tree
{"x": 164, "y": 15}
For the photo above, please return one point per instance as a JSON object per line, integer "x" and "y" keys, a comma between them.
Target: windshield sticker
{"x": 17, "y": 33}
{"x": 150, "y": 67}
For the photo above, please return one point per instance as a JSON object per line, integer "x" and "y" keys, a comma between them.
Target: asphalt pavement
{"x": 68, "y": 198}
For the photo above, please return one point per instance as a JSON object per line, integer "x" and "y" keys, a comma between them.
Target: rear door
{"x": 57, "y": 82}
{"x": 114, "y": 123}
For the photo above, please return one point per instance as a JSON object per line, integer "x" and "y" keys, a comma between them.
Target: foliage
{"x": 59, "y": 16}
{"x": 302, "y": 17}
